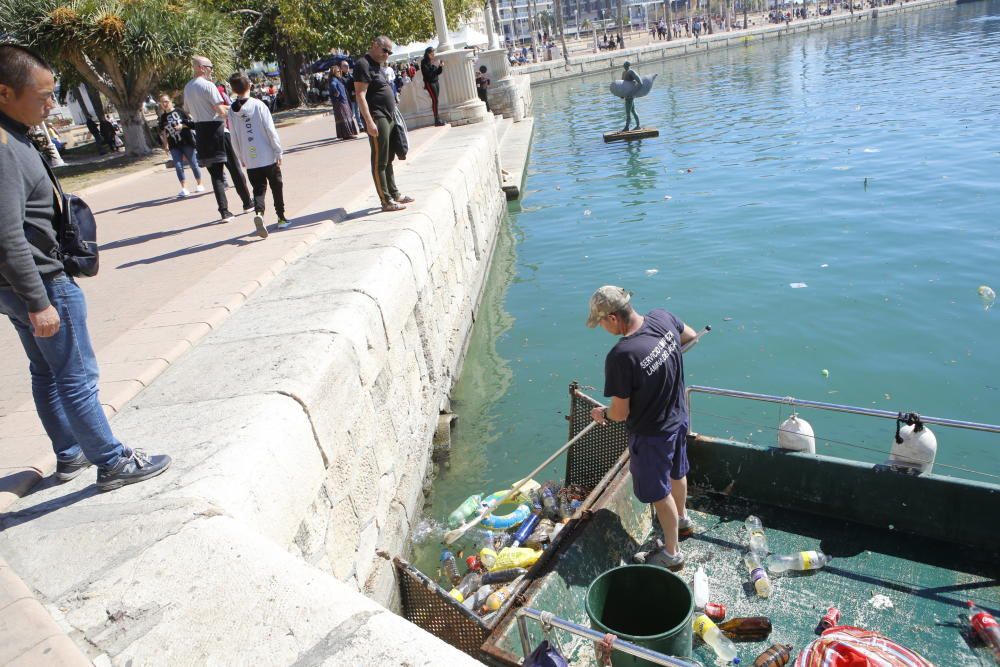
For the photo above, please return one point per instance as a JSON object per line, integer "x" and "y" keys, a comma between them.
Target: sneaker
{"x": 227, "y": 216}
{"x": 183, "y": 193}
{"x": 200, "y": 188}
{"x": 439, "y": 123}
{"x": 685, "y": 526}
{"x": 247, "y": 207}
{"x": 661, "y": 558}
{"x": 67, "y": 470}
{"x": 283, "y": 224}
{"x": 258, "y": 222}
{"x": 132, "y": 467}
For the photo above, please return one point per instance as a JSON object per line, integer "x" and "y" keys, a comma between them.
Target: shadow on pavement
{"x": 11, "y": 519}
{"x": 142, "y": 238}
{"x": 239, "y": 240}
{"x": 309, "y": 145}
{"x": 137, "y": 206}
{"x": 334, "y": 214}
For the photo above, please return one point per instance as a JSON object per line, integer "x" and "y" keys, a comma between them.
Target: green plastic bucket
{"x": 646, "y": 605}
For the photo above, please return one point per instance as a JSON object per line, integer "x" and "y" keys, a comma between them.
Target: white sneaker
{"x": 258, "y": 222}
{"x": 200, "y": 188}
{"x": 183, "y": 193}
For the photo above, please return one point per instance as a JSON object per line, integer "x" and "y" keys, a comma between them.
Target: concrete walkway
{"x": 171, "y": 272}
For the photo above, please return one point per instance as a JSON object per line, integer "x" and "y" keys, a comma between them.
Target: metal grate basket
{"x": 596, "y": 452}
{"x": 427, "y": 606}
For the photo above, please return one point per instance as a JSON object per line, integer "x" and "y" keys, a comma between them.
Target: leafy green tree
{"x": 126, "y": 49}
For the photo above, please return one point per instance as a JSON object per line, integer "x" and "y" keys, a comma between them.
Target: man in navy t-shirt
{"x": 644, "y": 377}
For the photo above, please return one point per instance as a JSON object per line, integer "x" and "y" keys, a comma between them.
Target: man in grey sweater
{"x": 44, "y": 304}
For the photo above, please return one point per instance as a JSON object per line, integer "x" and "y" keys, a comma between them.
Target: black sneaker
{"x": 67, "y": 470}
{"x": 131, "y": 468}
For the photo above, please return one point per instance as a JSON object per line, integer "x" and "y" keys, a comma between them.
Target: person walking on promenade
{"x": 431, "y": 73}
{"x": 348, "y": 78}
{"x": 644, "y": 377}
{"x": 342, "y": 114}
{"x": 45, "y": 305}
{"x": 483, "y": 85}
{"x": 108, "y": 133}
{"x": 208, "y": 110}
{"x": 259, "y": 149}
{"x": 378, "y": 108}
{"x": 178, "y": 140}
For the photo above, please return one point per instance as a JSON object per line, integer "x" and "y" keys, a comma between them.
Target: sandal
{"x": 392, "y": 206}
{"x": 405, "y": 199}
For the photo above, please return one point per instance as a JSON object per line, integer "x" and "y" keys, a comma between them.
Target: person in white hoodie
{"x": 259, "y": 149}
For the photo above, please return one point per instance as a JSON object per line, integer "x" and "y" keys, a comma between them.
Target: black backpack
{"x": 76, "y": 232}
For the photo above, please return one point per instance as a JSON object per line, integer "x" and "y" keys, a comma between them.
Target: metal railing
{"x": 549, "y": 620}
{"x": 832, "y": 407}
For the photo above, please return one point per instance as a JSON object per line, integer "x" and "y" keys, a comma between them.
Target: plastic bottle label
{"x": 702, "y": 624}
{"x": 982, "y": 621}
{"x": 756, "y": 574}
{"x": 808, "y": 559}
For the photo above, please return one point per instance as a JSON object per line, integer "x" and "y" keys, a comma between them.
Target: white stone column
{"x": 441, "y": 23}
{"x": 459, "y": 104}
{"x": 491, "y": 30}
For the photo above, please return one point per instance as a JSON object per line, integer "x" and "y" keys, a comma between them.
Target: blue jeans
{"x": 64, "y": 376}
{"x": 189, "y": 153}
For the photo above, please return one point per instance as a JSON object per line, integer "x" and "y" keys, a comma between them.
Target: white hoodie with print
{"x": 255, "y": 139}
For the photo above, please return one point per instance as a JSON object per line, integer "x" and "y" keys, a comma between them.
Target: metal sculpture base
{"x": 631, "y": 135}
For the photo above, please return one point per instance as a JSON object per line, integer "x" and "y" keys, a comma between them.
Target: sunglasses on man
{"x": 386, "y": 51}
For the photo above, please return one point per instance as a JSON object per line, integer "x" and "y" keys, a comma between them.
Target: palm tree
{"x": 123, "y": 48}
{"x": 562, "y": 30}
{"x": 619, "y": 21}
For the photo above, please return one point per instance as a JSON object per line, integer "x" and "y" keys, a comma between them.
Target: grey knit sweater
{"x": 27, "y": 210}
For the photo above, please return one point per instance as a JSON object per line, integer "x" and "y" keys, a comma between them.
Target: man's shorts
{"x": 655, "y": 460}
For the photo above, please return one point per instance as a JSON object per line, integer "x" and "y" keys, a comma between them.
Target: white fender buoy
{"x": 796, "y": 434}
{"x": 914, "y": 446}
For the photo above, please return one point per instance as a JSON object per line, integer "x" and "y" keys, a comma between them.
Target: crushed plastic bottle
{"x": 702, "y": 592}
{"x": 515, "y": 557}
{"x": 758, "y": 576}
{"x": 755, "y": 533}
{"x": 478, "y": 599}
{"x": 450, "y": 567}
{"x": 469, "y": 584}
{"x": 986, "y": 628}
{"x": 497, "y": 598}
{"x": 801, "y": 562}
{"x": 712, "y": 635}
{"x": 988, "y": 296}
{"x": 541, "y": 535}
{"x": 525, "y": 529}
{"x": 468, "y": 509}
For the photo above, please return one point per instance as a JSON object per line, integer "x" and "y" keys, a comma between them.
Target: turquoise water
{"x": 862, "y": 161}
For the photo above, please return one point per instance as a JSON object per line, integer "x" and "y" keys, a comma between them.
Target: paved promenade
{"x": 171, "y": 272}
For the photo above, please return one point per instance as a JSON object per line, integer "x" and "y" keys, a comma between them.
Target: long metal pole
{"x": 836, "y": 407}
{"x": 587, "y": 633}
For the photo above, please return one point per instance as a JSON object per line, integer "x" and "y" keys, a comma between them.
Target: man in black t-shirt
{"x": 644, "y": 377}
{"x": 377, "y": 103}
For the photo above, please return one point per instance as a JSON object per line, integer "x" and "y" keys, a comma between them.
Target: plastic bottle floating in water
{"x": 450, "y": 567}
{"x": 801, "y": 562}
{"x": 988, "y": 296}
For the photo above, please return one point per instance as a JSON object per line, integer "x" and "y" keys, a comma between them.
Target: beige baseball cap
{"x": 606, "y": 300}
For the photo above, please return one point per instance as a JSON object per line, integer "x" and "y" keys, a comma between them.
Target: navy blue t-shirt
{"x": 648, "y": 369}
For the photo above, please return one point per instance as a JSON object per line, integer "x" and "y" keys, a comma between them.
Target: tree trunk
{"x": 498, "y": 27}
{"x": 709, "y": 22}
{"x": 534, "y": 33}
{"x": 670, "y": 19}
{"x": 620, "y": 22}
{"x": 134, "y": 128}
{"x": 562, "y": 32}
{"x": 577, "y": 19}
{"x": 290, "y": 64}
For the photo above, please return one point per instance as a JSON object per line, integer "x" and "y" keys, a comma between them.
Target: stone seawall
{"x": 582, "y": 65}
{"x": 301, "y": 433}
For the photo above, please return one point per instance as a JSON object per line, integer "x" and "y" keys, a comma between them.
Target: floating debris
{"x": 727, "y": 319}
{"x": 841, "y": 168}
{"x": 880, "y": 601}
{"x": 797, "y": 285}
{"x": 825, "y": 373}
{"x": 871, "y": 150}
{"x": 652, "y": 272}
{"x": 824, "y": 266}
{"x": 988, "y": 296}
{"x": 857, "y": 107}
{"x": 667, "y": 197}
{"x": 586, "y": 211}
